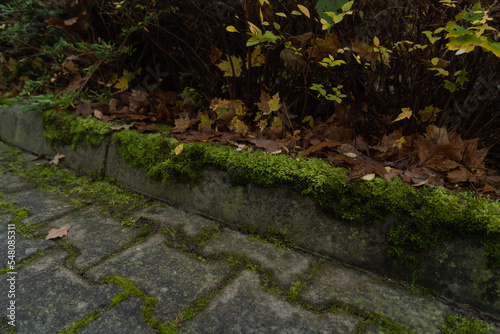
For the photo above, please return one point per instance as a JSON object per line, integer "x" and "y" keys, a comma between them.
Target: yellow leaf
{"x": 274, "y": 103}
{"x": 231, "y": 29}
{"x": 225, "y": 66}
{"x": 280, "y": 14}
{"x": 262, "y": 124}
{"x": 121, "y": 85}
{"x": 399, "y": 142}
{"x": 304, "y": 10}
{"x": 405, "y": 114}
{"x": 376, "y": 41}
{"x": 179, "y": 149}
{"x": 257, "y": 58}
{"x": 238, "y": 126}
{"x": 253, "y": 28}
{"x": 368, "y": 177}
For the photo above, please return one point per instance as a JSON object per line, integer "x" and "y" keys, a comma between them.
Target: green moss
{"x": 65, "y": 129}
{"x": 466, "y": 325}
{"x": 81, "y": 324}
{"x": 129, "y": 289}
{"x": 425, "y": 217}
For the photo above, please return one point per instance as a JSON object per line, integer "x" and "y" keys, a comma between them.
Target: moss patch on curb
{"x": 65, "y": 129}
{"x": 425, "y": 217}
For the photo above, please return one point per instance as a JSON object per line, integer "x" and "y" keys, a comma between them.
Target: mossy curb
{"x": 425, "y": 217}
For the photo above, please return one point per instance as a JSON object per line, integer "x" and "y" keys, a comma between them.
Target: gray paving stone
{"x": 49, "y": 297}
{"x": 242, "y": 307}
{"x": 173, "y": 278}
{"x": 334, "y": 283}
{"x": 125, "y": 318}
{"x": 42, "y": 207}
{"x": 24, "y": 248}
{"x": 95, "y": 235}
{"x": 11, "y": 184}
{"x": 286, "y": 265}
{"x": 189, "y": 223}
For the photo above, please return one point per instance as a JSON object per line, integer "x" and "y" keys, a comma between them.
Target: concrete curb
{"x": 457, "y": 269}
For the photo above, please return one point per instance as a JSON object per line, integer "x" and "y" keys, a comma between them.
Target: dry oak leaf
{"x": 57, "y": 233}
{"x": 56, "y": 159}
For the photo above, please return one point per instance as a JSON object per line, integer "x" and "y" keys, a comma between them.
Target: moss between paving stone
{"x": 81, "y": 324}
{"x": 116, "y": 201}
{"x": 466, "y": 325}
{"x": 426, "y": 216}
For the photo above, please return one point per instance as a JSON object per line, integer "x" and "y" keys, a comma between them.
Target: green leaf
{"x": 252, "y": 41}
{"x": 347, "y": 6}
{"x": 450, "y": 86}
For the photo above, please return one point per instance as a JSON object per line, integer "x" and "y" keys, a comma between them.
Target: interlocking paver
{"x": 335, "y": 283}
{"x": 189, "y": 223}
{"x": 242, "y": 307}
{"x": 94, "y": 235}
{"x": 42, "y": 206}
{"x": 125, "y": 318}
{"x": 287, "y": 266}
{"x": 49, "y": 297}
{"x": 173, "y": 278}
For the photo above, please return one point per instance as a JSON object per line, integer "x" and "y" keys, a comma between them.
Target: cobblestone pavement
{"x": 130, "y": 264}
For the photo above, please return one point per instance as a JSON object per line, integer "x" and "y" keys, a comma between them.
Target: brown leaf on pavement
{"x": 57, "y": 233}
{"x": 56, "y": 159}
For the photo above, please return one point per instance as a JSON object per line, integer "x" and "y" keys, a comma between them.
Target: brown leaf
{"x": 38, "y": 157}
{"x": 319, "y": 146}
{"x": 138, "y": 99}
{"x": 442, "y": 165}
{"x": 144, "y": 128}
{"x": 264, "y": 103}
{"x": 458, "y": 175}
{"x": 271, "y": 146}
{"x": 119, "y": 127}
{"x": 83, "y": 109}
{"x": 57, "y": 233}
{"x": 56, "y": 159}
{"x": 181, "y": 124}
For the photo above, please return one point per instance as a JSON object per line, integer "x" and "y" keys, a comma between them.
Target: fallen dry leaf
{"x": 57, "y": 233}
{"x": 38, "y": 157}
{"x": 119, "y": 127}
{"x": 271, "y": 146}
{"x": 319, "y": 146}
{"x": 56, "y": 159}
{"x": 179, "y": 149}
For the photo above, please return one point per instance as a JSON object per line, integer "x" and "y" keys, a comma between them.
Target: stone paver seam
{"x": 194, "y": 308}
{"x": 140, "y": 238}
